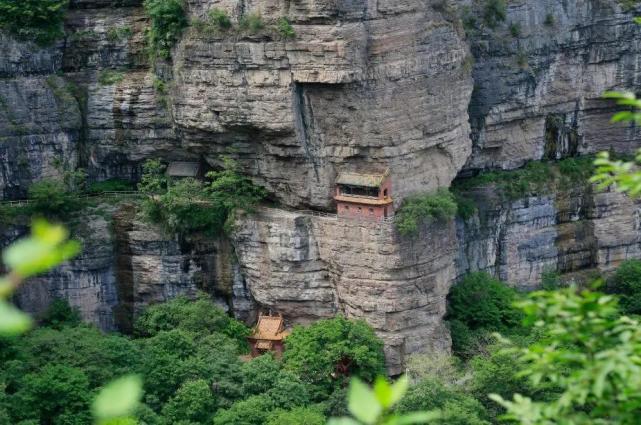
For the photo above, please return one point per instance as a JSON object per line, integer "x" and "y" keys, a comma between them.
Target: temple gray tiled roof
{"x": 183, "y": 169}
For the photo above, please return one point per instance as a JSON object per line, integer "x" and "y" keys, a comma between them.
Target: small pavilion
{"x": 268, "y": 335}
{"x": 364, "y": 194}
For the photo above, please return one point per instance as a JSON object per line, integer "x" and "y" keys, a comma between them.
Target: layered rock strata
{"x": 572, "y": 232}
{"x": 313, "y": 266}
{"x": 539, "y": 77}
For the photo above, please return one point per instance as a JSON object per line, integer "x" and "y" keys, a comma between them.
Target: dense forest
{"x": 195, "y": 368}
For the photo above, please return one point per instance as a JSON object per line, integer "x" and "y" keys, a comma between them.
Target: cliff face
{"x": 401, "y": 84}
{"x": 311, "y": 266}
{"x": 127, "y": 264}
{"x": 359, "y": 84}
{"x": 539, "y": 77}
{"x": 572, "y": 233}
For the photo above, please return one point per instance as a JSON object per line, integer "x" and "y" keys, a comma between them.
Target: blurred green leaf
{"x": 118, "y": 399}
{"x": 12, "y": 320}
{"x": 362, "y": 403}
{"x": 399, "y": 388}
{"x": 46, "y": 248}
{"x": 415, "y": 418}
{"x": 342, "y": 421}
{"x": 383, "y": 392}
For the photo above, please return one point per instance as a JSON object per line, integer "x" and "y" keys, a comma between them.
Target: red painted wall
{"x": 354, "y": 209}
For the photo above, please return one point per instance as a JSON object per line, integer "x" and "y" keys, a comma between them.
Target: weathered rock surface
{"x": 388, "y": 83}
{"x": 357, "y": 85}
{"x": 539, "y": 78}
{"x": 309, "y": 267}
{"x": 126, "y": 265}
{"x": 567, "y": 233}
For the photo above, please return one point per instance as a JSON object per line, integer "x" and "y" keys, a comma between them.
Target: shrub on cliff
{"x": 626, "y": 283}
{"x": 168, "y": 21}
{"x": 478, "y": 306}
{"x": 188, "y": 205}
{"x": 38, "y": 20}
{"x": 481, "y": 301}
{"x": 53, "y": 198}
{"x": 328, "y": 351}
{"x": 418, "y": 209}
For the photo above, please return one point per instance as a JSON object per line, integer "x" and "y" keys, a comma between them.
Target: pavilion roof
{"x": 269, "y": 328}
{"x": 363, "y": 178}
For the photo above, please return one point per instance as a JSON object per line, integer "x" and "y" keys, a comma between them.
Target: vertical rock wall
{"x": 575, "y": 232}
{"x": 309, "y": 267}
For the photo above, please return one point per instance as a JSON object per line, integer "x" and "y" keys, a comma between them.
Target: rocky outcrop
{"x": 577, "y": 233}
{"x": 539, "y": 77}
{"x": 127, "y": 264}
{"x": 358, "y": 84}
{"x": 313, "y": 266}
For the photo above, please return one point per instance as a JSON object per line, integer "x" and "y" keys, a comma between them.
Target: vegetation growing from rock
{"x": 419, "y": 209}
{"x": 284, "y": 28}
{"x": 189, "y": 205}
{"x": 38, "y": 20}
{"x": 109, "y": 77}
{"x": 251, "y": 23}
{"x": 535, "y": 178}
{"x": 168, "y": 21}
{"x": 219, "y": 18}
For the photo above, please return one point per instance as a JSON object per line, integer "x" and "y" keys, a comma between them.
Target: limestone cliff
{"x": 426, "y": 88}
{"x": 313, "y": 266}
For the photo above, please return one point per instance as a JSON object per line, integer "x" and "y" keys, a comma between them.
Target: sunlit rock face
{"x": 539, "y": 78}
{"x": 310, "y": 267}
{"x": 360, "y": 83}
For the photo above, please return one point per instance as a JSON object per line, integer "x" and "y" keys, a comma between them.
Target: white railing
{"x": 107, "y": 194}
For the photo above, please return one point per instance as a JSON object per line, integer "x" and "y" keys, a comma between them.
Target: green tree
{"x": 455, "y": 407}
{"x": 165, "y": 363}
{"x": 251, "y": 411}
{"x": 587, "y": 351}
{"x": 154, "y": 180}
{"x": 416, "y": 210}
{"x": 60, "y": 314}
{"x": 259, "y": 375}
{"x": 233, "y": 191}
{"x": 478, "y": 306}
{"x": 193, "y": 402}
{"x": 483, "y": 302}
{"x": 53, "y": 198}
{"x": 188, "y": 205}
{"x": 56, "y": 394}
{"x": 626, "y": 283}
{"x": 38, "y": 20}
{"x": 197, "y": 316}
{"x": 296, "y": 416}
{"x": 328, "y": 351}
